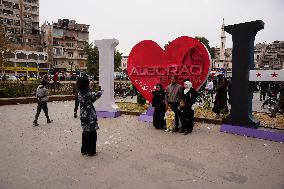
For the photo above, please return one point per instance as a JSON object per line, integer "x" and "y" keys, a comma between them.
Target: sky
{"x": 131, "y": 21}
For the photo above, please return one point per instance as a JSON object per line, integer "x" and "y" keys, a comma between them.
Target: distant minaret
{"x": 223, "y": 42}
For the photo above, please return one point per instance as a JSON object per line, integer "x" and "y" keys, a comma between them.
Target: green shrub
{"x": 140, "y": 99}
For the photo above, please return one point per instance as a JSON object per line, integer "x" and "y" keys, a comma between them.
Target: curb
{"x": 28, "y": 100}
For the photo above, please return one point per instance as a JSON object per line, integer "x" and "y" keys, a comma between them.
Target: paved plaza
{"x": 131, "y": 154}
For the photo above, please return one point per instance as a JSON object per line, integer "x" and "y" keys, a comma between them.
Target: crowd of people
{"x": 272, "y": 90}
{"x": 172, "y": 106}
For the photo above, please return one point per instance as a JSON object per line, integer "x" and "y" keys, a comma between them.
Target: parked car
{"x": 12, "y": 78}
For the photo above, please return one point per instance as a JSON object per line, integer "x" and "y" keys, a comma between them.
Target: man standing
{"x": 263, "y": 90}
{"x": 220, "y": 103}
{"x": 42, "y": 98}
{"x": 210, "y": 87}
{"x": 174, "y": 93}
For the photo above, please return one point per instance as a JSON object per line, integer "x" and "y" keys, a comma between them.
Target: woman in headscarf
{"x": 189, "y": 96}
{"x": 158, "y": 102}
{"x": 88, "y": 117}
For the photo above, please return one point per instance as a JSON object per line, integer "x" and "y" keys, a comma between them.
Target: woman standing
{"x": 189, "y": 96}
{"x": 158, "y": 102}
{"x": 88, "y": 117}
{"x": 220, "y": 103}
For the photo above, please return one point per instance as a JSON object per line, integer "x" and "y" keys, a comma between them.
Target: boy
{"x": 42, "y": 98}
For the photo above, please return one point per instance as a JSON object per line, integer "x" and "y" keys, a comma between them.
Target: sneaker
{"x": 167, "y": 130}
{"x": 185, "y": 133}
{"x": 49, "y": 121}
{"x": 35, "y": 123}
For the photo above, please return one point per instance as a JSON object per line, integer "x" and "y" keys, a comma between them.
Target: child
{"x": 42, "y": 98}
{"x": 169, "y": 117}
{"x": 186, "y": 117}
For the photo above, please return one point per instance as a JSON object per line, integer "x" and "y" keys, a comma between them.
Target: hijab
{"x": 189, "y": 85}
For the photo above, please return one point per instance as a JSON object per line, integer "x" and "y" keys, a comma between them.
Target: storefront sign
{"x": 19, "y": 69}
{"x": 185, "y": 58}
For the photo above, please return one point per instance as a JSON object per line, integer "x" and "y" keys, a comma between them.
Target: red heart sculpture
{"x": 185, "y": 57}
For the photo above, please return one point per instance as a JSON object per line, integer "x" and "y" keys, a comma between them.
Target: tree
{"x": 93, "y": 60}
{"x": 117, "y": 61}
{"x": 206, "y": 43}
{"x": 5, "y": 47}
{"x": 166, "y": 45}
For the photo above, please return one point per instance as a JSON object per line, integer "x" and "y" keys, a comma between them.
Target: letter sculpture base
{"x": 266, "y": 134}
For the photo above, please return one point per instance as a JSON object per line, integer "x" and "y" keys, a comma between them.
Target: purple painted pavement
{"x": 108, "y": 114}
{"x": 147, "y": 116}
{"x": 274, "y": 135}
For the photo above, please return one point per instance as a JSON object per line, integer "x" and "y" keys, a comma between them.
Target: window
{"x": 32, "y": 65}
{"x": 70, "y": 54}
{"x": 44, "y": 65}
{"x": 21, "y": 56}
{"x": 10, "y": 21}
{"x": 41, "y": 57}
{"x": 21, "y": 64}
{"x": 70, "y": 44}
{"x": 33, "y": 56}
{"x": 17, "y": 22}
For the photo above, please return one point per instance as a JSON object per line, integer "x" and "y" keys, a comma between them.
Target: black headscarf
{"x": 161, "y": 88}
{"x": 83, "y": 84}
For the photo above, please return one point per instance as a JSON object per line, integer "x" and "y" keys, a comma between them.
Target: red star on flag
{"x": 274, "y": 74}
{"x": 258, "y": 75}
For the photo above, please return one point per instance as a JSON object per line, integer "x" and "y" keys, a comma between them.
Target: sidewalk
{"x": 131, "y": 154}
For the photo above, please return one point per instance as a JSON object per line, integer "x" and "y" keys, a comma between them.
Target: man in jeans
{"x": 174, "y": 93}
{"x": 42, "y": 98}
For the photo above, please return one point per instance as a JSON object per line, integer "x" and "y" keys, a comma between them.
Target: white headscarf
{"x": 189, "y": 84}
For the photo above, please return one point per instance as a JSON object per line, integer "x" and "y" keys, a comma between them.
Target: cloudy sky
{"x": 131, "y": 21}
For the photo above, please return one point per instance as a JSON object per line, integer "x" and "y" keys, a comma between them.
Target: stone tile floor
{"x": 131, "y": 154}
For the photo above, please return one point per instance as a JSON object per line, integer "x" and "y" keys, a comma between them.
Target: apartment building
{"x": 20, "y": 19}
{"x": 65, "y": 41}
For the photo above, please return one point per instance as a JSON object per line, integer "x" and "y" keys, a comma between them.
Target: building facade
{"x": 124, "y": 60}
{"x": 27, "y": 63}
{"x": 272, "y": 55}
{"x": 64, "y": 42}
{"x": 20, "y": 19}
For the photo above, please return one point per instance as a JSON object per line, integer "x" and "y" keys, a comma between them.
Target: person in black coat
{"x": 220, "y": 103}
{"x": 158, "y": 102}
{"x": 186, "y": 112}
